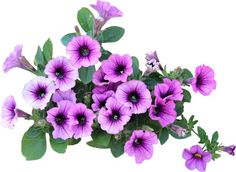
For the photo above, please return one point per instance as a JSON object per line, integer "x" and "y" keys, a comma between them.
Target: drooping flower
{"x": 106, "y": 10}
{"x": 84, "y": 51}
{"x": 204, "y": 81}
{"x": 38, "y": 92}
{"x": 64, "y": 95}
{"x": 16, "y": 59}
{"x": 58, "y": 117}
{"x": 196, "y": 158}
{"x": 164, "y": 112}
{"x": 169, "y": 90}
{"x": 229, "y": 149}
{"x": 152, "y": 62}
{"x": 180, "y": 131}
{"x": 134, "y": 94}
{"x": 100, "y": 100}
{"x": 62, "y": 73}
{"x": 140, "y": 145}
{"x": 81, "y": 120}
{"x": 114, "y": 117}
{"x": 117, "y": 68}
{"x": 98, "y": 78}
{"x": 104, "y": 88}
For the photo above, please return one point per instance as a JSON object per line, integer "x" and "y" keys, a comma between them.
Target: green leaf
{"x": 39, "y": 59}
{"x": 73, "y": 141}
{"x": 38, "y": 114}
{"x": 58, "y": 145}
{"x": 105, "y": 55}
{"x": 202, "y": 134}
{"x": 117, "y": 147}
{"x": 179, "y": 108}
{"x": 186, "y": 74}
{"x": 136, "y": 72}
{"x": 95, "y": 145}
{"x": 33, "y": 144}
{"x": 187, "y": 96}
{"x": 67, "y": 38}
{"x": 163, "y": 135}
{"x": 86, "y": 19}
{"x": 48, "y": 50}
{"x": 86, "y": 74}
{"x": 101, "y": 137}
{"x": 111, "y": 34}
{"x": 215, "y": 138}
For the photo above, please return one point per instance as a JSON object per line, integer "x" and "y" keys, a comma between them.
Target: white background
{"x": 185, "y": 33}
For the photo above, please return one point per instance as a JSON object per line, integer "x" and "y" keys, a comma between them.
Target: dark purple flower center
{"x": 168, "y": 93}
{"x": 137, "y": 142}
{"x": 197, "y": 155}
{"x": 120, "y": 69}
{"x": 115, "y": 115}
{"x": 133, "y": 97}
{"x": 102, "y": 103}
{"x": 59, "y": 72}
{"x": 81, "y": 119}
{"x": 84, "y": 51}
{"x": 60, "y": 119}
{"x": 199, "y": 82}
{"x": 40, "y": 93}
{"x": 157, "y": 110}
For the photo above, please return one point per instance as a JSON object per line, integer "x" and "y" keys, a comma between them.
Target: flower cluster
{"x": 118, "y": 105}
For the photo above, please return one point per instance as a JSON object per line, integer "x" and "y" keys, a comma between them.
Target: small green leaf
{"x": 105, "y": 55}
{"x": 202, "y": 134}
{"x": 117, "y": 147}
{"x": 179, "y": 108}
{"x": 48, "y": 51}
{"x": 67, "y": 38}
{"x": 73, "y": 141}
{"x": 187, "y": 96}
{"x": 33, "y": 144}
{"x": 186, "y": 74}
{"x": 215, "y": 138}
{"x": 136, "y": 72}
{"x": 101, "y": 138}
{"x": 111, "y": 34}
{"x": 39, "y": 59}
{"x": 86, "y": 19}
{"x": 86, "y": 74}
{"x": 163, "y": 135}
{"x": 95, "y": 145}
{"x": 58, "y": 145}
{"x": 38, "y": 114}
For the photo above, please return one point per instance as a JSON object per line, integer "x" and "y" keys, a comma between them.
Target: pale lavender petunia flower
{"x": 114, "y": 117}
{"x": 134, "y": 94}
{"x": 163, "y": 111}
{"x": 16, "y": 59}
{"x": 152, "y": 63}
{"x": 180, "y": 131}
{"x": 58, "y": 117}
{"x": 81, "y": 120}
{"x": 98, "y": 78}
{"x": 38, "y": 92}
{"x": 204, "y": 81}
{"x": 84, "y": 51}
{"x": 64, "y": 95}
{"x": 169, "y": 90}
{"x": 62, "y": 73}
{"x": 229, "y": 149}
{"x": 196, "y": 158}
{"x": 117, "y": 68}
{"x": 106, "y": 10}
{"x": 100, "y": 100}
{"x": 140, "y": 145}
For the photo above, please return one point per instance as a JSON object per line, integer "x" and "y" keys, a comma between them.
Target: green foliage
{"x": 105, "y": 55}
{"x": 86, "y": 19}
{"x": 86, "y": 74}
{"x": 136, "y": 71}
{"x": 67, "y": 38}
{"x": 73, "y": 141}
{"x": 58, "y": 145}
{"x": 111, "y": 34}
{"x": 117, "y": 147}
{"x": 163, "y": 135}
{"x": 202, "y": 135}
{"x": 179, "y": 108}
{"x": 95, "y": 145}
{"x": 101, "y": 137}
{"x": 152, "y": 79}
{"x": 33, "y": 144}
{"x": 187, "y": 96}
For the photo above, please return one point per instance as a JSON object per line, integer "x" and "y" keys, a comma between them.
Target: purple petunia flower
{"x": 163, "y": 111}
{"x": 62, "y": 73}
{"x": 81, "y": 120}
{"x": 98, "y": 78}
{"x": 16, "y": 59}
{"x": 140, "y": 145}
{"x": 106, "y": 11}
{"x": 84, "y": 51}
{"x": 229, "y": 149}
{"x": 117, "y": 68}
{"x": 104, "y": 88}
{"x": 115, "y": 117}
{"x": 196, "y": 158}
{"x": 100, "y": 100}
{"x": 152, "y": 63}
{"x": 134, "y": 94}
{"x": 204, "y": 81}
{"x": 38, "y": 92}
{"x": 180, "y": 131}
{"x": 64, "y": 95}
{"x": 169, "y": 90}
{"x": 58, "y": 117}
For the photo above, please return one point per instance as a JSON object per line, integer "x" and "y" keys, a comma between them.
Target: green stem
{"x": 195, "y": 133}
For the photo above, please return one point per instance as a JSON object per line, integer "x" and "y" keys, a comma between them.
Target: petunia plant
{"x": 95, "y": 93}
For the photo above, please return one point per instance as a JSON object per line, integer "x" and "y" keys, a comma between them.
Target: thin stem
{"x": 195, "y": 133}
